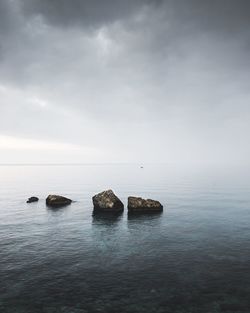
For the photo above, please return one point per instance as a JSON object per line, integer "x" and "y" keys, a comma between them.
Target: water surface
{"x": 194, "y": 257}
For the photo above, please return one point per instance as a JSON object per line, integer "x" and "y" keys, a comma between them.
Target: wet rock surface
{"x": 107, "y": 201}
{"x": 32, "y": 199}
{"x": 137, "y": 205}
{"x": 57, "y": 201}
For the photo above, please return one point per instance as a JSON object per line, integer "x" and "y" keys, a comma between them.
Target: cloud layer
{"x": 147, "y": 81}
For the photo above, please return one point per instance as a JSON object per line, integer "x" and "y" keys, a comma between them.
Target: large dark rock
{"x": 32, "y": 199}
{"x": 138, "y": 205}
{"x": 57, "y": 201}
{"x": 107, "y": 201}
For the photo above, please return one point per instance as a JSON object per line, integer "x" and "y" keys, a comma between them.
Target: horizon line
{"x": 69, "y": 164}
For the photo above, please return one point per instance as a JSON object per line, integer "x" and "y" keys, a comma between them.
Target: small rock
{"x": 57, "y": 201}
{"x": 136, "y": 204}
{"x": 32, "y": 199}
{"x": 107, "y": 201}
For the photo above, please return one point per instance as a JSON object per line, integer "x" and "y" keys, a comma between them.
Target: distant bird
{"x": 141, "y": 166}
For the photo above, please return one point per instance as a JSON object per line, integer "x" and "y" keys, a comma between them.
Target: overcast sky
{"x": 124, "y": 81}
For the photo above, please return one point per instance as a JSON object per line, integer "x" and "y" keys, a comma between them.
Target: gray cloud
{"x": 77, "y": 12}
{"x": 122, "y": 76}
{"x": 227, "y": 15}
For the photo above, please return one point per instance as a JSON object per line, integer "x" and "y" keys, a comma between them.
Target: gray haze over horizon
{"x": 124, "y": 81}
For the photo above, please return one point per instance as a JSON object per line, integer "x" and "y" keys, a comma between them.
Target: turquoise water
{"x": 194, "y": 257}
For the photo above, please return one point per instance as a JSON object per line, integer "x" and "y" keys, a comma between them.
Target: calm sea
{"x": 194, "y": 257}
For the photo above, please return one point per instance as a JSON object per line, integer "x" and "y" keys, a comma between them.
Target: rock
{"x": 137, "y": 205}
{"x": 32, "y": 199}
{"x": 107, "y": 201}
{"x": 57, "y": 201}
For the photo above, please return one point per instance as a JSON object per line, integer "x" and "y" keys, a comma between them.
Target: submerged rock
{"x": 32, "y": 199}
{"x": 137, "y": 205}
{"x": 57, "y": 201}
{"x": 107, "y": 201}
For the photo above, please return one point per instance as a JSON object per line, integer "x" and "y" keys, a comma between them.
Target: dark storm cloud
{"x": 7, "y": 16}
{"x": 219, "y": 15}
{"x": 8, "y": 23}
{"x": 81, "y": 12}
{"x": 227, "y": 15}
{"x": 173, "y": 72}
